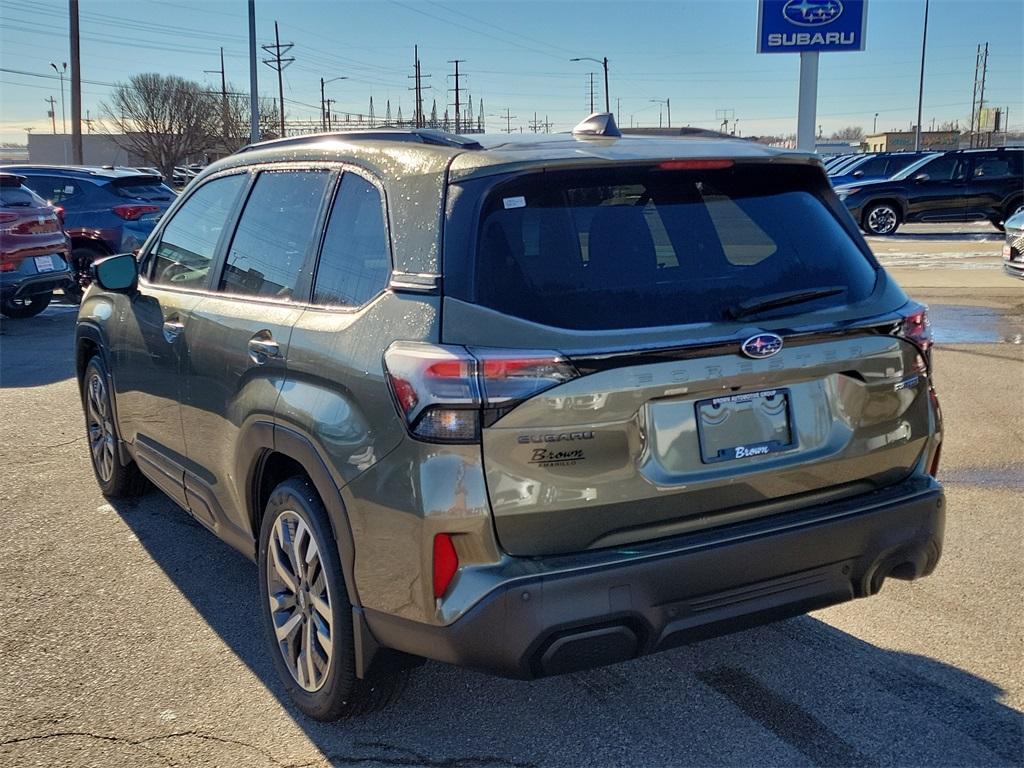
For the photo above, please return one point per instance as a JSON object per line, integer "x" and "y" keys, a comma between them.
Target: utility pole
{"x": 509, "y": 117}
{"x": 52, "y": 114}
{"x": 87, "y": 120}
{"x": 279, "y": 63}
{"x": 458, "y": 92}
{"x": 419, "y": 119}
{"x": 76, "y": 87}
{"x": 223, "y": 94}
{"x": 618, "y": 110}
{"x": 535, "y": 124}
{"x": 547, "y": 124}
{"x": 591, "y": 93}
{"x": 254, "y": 98}
{"x": 920, "y": 87}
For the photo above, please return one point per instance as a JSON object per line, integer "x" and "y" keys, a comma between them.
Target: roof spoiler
{"x": 598, "y": 124}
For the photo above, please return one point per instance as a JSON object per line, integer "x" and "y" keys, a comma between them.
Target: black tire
{"x": 882, "y": 218}
{"x": 116, "y": 480}
{"x": 25, "y": 306}
{"x": 339, "y": 693}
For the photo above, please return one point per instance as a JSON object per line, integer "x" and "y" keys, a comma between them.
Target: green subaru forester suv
{"x": 525, "y": 404}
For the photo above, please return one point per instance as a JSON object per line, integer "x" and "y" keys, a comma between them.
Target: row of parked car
{"x": 55, "y": 221}
{"x": 883, "y": 191}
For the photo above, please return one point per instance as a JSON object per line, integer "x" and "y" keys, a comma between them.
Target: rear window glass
{"x": 13, "y": 196}
{"x": 150, "y": 190}
{"x": 645, "y": 247}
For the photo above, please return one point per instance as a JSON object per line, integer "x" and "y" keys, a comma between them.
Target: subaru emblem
{"x": 762, "y": 345}
{"x": 812, "y": 13}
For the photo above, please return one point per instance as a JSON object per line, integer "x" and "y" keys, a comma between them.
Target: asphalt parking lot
{"x": 129, "y": 634}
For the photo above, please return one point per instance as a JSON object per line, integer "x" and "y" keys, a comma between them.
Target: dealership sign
{"x": 801, "y": 26}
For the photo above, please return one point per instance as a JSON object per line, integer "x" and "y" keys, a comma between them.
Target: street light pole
{"x": 874, "y": 128}
{"x": 604, "y": 63}
{"x": 324, "y": 110}
{"x": 668, "y": 108}
{"x": 920, "y": 87}
{"x": 60, "y": 72}
{"x": 254, "y": 98}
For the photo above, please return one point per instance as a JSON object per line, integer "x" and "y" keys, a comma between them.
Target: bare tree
{"x": 233, "y": 131}
{"x": 849, "y": 133}
{"x": 162, "y": 118}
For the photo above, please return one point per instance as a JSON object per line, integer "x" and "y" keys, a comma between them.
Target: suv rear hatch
{"x": 628, "y": 293}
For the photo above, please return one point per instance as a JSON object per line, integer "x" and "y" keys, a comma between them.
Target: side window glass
{"x": 941, "y": 168}
{"x": 53, "y": 188}
{"x": 992, "y": 168}
{"x": 355, "y": 260}
{"x": 274, "y": 234}
{"x": 185, "y": 252}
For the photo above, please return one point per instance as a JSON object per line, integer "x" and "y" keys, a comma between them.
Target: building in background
{"x": 903, "y": 141}
{"x": 97, "y": 149}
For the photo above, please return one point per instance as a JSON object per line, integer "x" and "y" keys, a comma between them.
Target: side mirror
{"x": 118, "y": 273}
{"x": 921, "y": 177}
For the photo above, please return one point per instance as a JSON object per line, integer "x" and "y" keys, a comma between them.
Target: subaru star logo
{"x": 812, "y": 13}
{"x": 762, "y": 345}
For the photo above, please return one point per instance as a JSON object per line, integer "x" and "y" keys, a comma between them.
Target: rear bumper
{"x": 17, "y": 286}
{"x": 708, "y": 584}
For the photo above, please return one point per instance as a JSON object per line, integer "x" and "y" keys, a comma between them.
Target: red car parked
{"x": 34, "y": 251}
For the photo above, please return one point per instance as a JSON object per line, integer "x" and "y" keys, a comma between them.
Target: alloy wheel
{"x": 101, "y": 429}
{"x": 882, "y": 220}
{"x": 300, "y": 601}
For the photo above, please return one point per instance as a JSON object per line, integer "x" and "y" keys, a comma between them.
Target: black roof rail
{"x": 413, "y": 135}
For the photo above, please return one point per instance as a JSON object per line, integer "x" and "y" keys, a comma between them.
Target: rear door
{"x": 647, "y": 282}
{"x": 995, "y": 178}
{"x": 239, "y": 334}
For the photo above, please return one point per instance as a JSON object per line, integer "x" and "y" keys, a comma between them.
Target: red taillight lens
{"x": 7, "y": 266}
{"x": 7, "y": 218}
{"x": 917, "y": 328}
{"x": 695, "y": 165}
{"x": 446, "y": 563}
{"x": 133, "y": 212}
{"x": 444, "y": 391}
{"x": 933, "y": 468}
{"x": 59, "y": 213}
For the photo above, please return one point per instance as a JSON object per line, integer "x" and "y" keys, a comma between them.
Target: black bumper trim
{"x": 688, "y": 595}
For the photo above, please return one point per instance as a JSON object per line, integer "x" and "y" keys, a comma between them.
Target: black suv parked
{"x": 963, "y": 185}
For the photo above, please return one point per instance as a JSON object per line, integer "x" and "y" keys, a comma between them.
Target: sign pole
{"x": 808, "y": 101}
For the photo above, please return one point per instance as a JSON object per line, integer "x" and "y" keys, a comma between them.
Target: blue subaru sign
{"x": 798, "y": 26}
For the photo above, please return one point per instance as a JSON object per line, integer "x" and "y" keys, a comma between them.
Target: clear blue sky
{"x": 700, "y": 54}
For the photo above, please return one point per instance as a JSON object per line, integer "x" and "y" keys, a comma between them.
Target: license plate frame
{"x": 44, "y": 264}
{"x": 711, "y": 446}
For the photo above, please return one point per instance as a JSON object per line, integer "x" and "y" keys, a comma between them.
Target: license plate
{"x": 745, "y": 426}
{"x": 45, "y": 264}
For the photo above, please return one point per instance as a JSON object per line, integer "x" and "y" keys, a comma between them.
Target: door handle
{"x": 172, "y": 330}
{"x": 261, "y": 349}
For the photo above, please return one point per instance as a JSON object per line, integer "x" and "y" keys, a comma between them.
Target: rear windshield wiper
{"x": 762, "y": 304}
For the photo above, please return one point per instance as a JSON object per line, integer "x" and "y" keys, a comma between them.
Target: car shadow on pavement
{"x": 38, "y": 350}
{"x": 799, "y": 692}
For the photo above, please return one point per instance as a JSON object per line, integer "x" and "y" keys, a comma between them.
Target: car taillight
{"x": 933, "y": 467}
{"x": 446, "y": 393}
{"x": 917, "y": 328}
{"x": 7, "y": 266}
{"x": 446, "y": 563}
{"x": 7, "y": 218}
{"x": 58, "y": 211}
{"x": 711, "y": 164}
{"x": 133, "y": 212}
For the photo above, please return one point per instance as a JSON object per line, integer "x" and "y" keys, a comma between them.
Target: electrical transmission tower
{"x": 977, "y": 104}
{"x": 279, "y": 63}
{"x": 458, "y": 92}
{"x": 725, "y": 115}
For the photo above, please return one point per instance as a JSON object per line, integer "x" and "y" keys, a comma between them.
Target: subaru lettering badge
{"x": 762, "y": 345}
{"x": 812, "y": 13}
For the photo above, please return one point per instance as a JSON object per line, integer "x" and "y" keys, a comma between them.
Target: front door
{"x": 239, "y": 338}
{"x": 938, "y": 190}
{"x": 151, "y": 351}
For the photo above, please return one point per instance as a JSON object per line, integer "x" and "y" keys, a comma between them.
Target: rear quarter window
{"x": 643, "y": 247}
